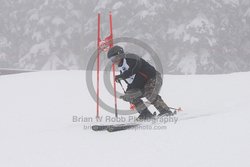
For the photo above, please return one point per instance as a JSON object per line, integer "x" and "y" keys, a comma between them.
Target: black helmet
{"x": 114, "y": 51}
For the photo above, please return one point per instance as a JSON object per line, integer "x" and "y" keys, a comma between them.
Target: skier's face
{"x": 116, "y": 60}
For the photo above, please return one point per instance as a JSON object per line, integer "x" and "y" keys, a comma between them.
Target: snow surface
{"x": 37, "y": 130}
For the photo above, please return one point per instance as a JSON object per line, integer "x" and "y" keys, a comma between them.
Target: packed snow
{"x": 37, "y": 127}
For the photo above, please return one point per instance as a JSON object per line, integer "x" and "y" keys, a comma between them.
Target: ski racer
{"x": 142, "y": 79}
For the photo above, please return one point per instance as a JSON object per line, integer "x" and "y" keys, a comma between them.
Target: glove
{"x": 118, "y": 78}
{"x": 127, "y": 98}
{"x": 132, "y": 95}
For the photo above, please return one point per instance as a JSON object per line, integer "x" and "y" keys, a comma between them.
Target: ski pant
{"x": 151, "y": 93}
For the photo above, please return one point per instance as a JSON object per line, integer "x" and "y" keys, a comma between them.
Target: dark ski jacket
{"x": 135, "y": 71}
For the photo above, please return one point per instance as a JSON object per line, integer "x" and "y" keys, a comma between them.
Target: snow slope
{"x": 36, "y": 124}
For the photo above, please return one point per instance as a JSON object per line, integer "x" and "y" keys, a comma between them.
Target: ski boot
{"x": 145, "y": 115}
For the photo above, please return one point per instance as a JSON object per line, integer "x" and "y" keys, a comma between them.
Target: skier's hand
{"x": 118, "y": 78}
{"x": 127, "y": 98}
{"x": 131, "y": 95}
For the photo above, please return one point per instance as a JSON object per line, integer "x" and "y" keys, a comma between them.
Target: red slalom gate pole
{"x": 108, "y": 42}
{"x": 113, "y": 65}
{"x": 98, "y": 64}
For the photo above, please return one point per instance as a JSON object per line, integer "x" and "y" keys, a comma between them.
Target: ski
{"x": 114, "y": 127}
{"x": 124, "y": 126}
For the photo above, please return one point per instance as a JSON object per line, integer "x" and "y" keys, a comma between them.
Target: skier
{"x": 142, "y": 80}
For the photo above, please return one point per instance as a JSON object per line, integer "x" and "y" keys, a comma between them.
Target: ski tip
{"x": 94, "y": 128}
{"x": 99, "y": 127}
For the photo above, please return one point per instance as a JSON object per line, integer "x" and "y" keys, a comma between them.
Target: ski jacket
{"x": 135, "y": 71}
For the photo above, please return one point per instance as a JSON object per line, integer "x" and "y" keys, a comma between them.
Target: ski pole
{"x": 132, "y": 106}
{"x": 121, "y": 85}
